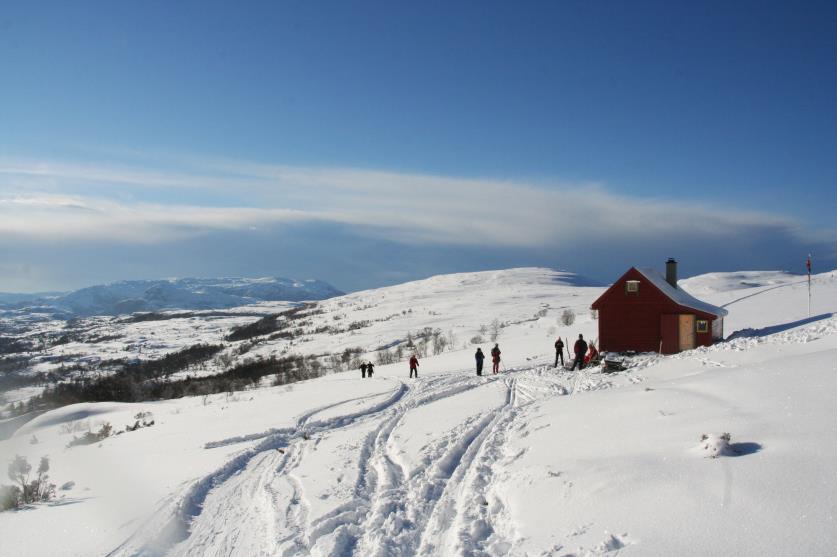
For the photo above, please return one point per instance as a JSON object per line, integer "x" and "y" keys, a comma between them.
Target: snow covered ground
{"x": 533, "y": 461}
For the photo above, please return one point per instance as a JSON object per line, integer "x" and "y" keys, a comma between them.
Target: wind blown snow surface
{"x": 533, "y": 461}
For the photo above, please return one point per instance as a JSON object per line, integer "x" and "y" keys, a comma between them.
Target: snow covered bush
{"x": 439, "y": 345}
{"x": 451, "y": 338}
{"x": 568, "y": 317}
{"x": 24, "y": 491}
{"x": 89, "y": 438}
{"x": 385, "y": 357}
{"x": 143, "y": 419}
{"x": 9, "y": 497}
{"x": 714, "y": 445}
{"x": 494, "y": 330}
{"x": 477, "y": 339}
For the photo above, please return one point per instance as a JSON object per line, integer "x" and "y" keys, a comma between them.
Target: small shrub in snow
{"x": 146, "y": 419}
{"x": 67, "y": 486}
{"x": 439, "y": 344}
{"x": 385, "y": 357}
{"x": 714, "y": 445}
{"x": 494, "y": 330}
{"x": 541, "y": 313}
{"x": 421, "y": 348}
{"x": 568, "y": 317}
{"x": 89, "y": 438}
{"x": 451, "y": 338}
{"x": 9, "y": 497}
{"x": 73, "y": 427}
{"x": 25, "y": 492}
{"x": 477, "y": 339}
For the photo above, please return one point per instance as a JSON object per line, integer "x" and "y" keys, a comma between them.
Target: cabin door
{"x": 687, "y": 331}
{"x": 669, "y": 325}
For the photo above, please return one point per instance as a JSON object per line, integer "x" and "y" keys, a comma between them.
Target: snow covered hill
{"x": 533, "y": 461}
{"x": 188, "y": 293}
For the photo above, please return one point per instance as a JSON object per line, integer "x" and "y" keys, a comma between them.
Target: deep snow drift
{"x": 533, "y": 461}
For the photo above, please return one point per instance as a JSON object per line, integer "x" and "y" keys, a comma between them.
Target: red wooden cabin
{"x": 646, "y": 312}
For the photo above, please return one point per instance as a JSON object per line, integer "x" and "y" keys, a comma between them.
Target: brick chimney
{"x": 671, "y": 272}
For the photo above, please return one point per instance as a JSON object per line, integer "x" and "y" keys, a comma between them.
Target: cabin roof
{"x": 680, "y": 296}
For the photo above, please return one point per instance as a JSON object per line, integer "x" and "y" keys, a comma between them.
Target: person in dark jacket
{"x": 413, "y": 366}
{"x": 369, "y": 369}
{"x": 495, "y": 358}
{"x": 479, "y": 357}
{"x": 559, "y": 352}
{"x": 363, "y": 370}
{"x": 580, "y": 349}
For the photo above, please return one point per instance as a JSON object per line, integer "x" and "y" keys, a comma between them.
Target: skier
{"x": 363, "y": 370}
{"x": 495, "y": 358}
{"x": 479, "y": 356}
{"x": 580, "y": 348}
{"x": 413, "y": 366}
{"x": 592, "y": 355}
{"x": 369, "y": 369}
{"x": 559, "y": 352}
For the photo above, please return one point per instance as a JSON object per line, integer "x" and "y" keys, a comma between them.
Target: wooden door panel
{"x": 687, "y": 331}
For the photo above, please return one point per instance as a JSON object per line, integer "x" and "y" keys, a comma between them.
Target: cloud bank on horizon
{"x": 67, "y": 224}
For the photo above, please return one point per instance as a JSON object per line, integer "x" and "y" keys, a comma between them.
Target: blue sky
{"x": 369, "y": 143}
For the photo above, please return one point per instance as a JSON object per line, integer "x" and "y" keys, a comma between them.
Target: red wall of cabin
{"x": 629, "y": 321}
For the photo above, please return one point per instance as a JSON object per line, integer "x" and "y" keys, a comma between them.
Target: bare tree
{"x": 494, "y": 330}
{"x": 451, "y": 338}
{"x": 568, "y": 317}
{"x": 439, "y": 344}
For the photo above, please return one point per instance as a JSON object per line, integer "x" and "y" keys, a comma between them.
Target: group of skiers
{"x": 366, "y": 370}
{"x": 584, "y": 354}
{"x": 495, "y": 359}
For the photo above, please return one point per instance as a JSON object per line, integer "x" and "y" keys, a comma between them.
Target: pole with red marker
{"x": 808, "y": 265}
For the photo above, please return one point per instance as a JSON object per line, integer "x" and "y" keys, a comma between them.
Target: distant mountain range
{"x": 152, "y": 295}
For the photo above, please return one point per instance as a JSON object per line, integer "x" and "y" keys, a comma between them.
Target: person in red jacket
{"x": 413, "y": 366}
{"x": 495, "y": 357}
{"x": 592, "y": 354}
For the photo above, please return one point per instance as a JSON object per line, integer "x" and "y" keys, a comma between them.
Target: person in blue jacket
{"x": 479, "y": 357}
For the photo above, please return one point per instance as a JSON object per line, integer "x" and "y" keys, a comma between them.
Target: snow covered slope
{"x": 533, "y": 461}
{"x": 188, "y": 293}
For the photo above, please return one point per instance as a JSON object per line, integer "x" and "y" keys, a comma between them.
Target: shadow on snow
{"x": 773, "y": 329}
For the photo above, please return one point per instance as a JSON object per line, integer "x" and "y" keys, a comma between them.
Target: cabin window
{"x": 632, "y": 286}
{"x": 702, "y": 325}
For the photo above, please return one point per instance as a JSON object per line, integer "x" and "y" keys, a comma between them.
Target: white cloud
{"x": 43, "y": 200}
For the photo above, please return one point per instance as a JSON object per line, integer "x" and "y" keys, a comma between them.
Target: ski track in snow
{"x": 257, "y": 505}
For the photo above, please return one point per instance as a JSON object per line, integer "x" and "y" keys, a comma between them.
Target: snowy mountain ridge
{"x": 130, "y": 296}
